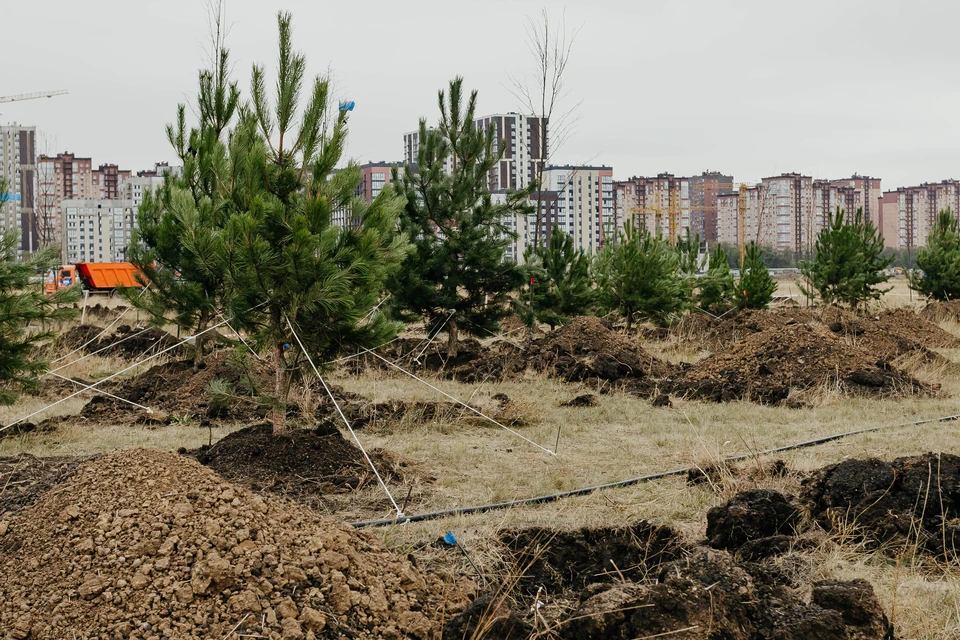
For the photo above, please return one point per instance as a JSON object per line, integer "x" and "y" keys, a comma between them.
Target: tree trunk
{"x": 629, "y": 317}
{"x": 453, "y": 338}
{"x": 280, "y": 411}
{"x": 198, "y": 342}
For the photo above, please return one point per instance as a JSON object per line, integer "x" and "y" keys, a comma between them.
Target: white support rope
{"x": 345, "y": 421}
{"x": 237, "y": 333}
{"x": 359, "y": 353}
{"x": 430, "y": 339}
{"x": 87, "y": 387}
{"x": 107, "y": 328}
{"x": 460, "y": 402}
{"x": 102, "y": 349}
{"x": 372, "y": 311}
{"x": 110, "y": 377}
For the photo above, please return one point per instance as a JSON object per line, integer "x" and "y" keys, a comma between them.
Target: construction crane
{"x": 33, "y": 96}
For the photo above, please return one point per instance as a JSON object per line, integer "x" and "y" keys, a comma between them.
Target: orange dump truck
{"x": 95, "y": 276}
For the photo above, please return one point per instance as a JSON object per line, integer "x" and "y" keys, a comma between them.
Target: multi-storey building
{"x": 60, "y": 178}
{"x": 524, "y": 142}
{"x": 374, "y": 176}
{"x": 728, "y": 215}
{"x": 18, "y": 169}
{"x": 649, "y": 202}
{"x": 786, "y": 213}
{"x": 909, "y": 213}
{"x": 704, "y": 190}
{"x": 106, "y": 181}
{"x": 97, "y": 230}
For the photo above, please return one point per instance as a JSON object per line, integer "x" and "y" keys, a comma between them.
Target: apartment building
{"x": 19, "y": 170}
{"x": 909, "y": 213}
{"x": 374, "y": 176}
{"x": 61, "y": 177}
{"x": 106, "y": 181}
{"x": 650, "y": 201}
{"x": 97, "y": 230}
{"x": 728, "y": 215}
{"x": 704, "y": 190}
{"x": 522, "y": 139}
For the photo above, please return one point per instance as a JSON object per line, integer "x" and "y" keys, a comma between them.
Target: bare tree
{"x": 542, "y": 94}
{"x": 46, "y": 207}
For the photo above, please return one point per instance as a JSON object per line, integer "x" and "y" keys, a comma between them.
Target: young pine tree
{"x": 718, "y": 291}
{"x": 23, "y": 311}
{"x": 849, "y": 263}
{"x": 939, "y": 261}
{"x": 756, "y": 287}
{"x": 560, "y": 274}
{"x": 289, "y": 265}
{"x": 638, "y": 277}
{"x": 178, "y": 241}
{"x": 457, "y": 276}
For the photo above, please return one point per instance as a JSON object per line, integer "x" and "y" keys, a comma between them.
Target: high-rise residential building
{"x": 909, "y": 213}
{"x": 97, "y": 230}
{"x": 858, "y": 192}
{"x": 374, "y": 175}
{"x": 650, "y": 202}
{"x": 106, "y": 181}
{"x": 522, "y": 139}
{"x": 59, "y": 178}
{"x": 786, "y": 213}
{"x": 704, "y": 190}
{"x": 728, "y": 215}
{"x": 18, "y": 169}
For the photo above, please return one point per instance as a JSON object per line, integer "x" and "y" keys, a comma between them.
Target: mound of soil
{"x": 643, "y": 582}
{"x": 912, "y": 499}
{"x": 420, "y": 354}
{"x": 146, "y": 544}
{"x": 938, "y": 311}
{"x": 175, "y": 388}
{"x": 125, "y": 342}
{"x": 891, "y": 334}
{"x": 766, "y": 366}
{"x": 391, "y": 413}
{"x": 304, "y": 465}
{"x": 751, "y": 515}
{"x": 25, "y": 478}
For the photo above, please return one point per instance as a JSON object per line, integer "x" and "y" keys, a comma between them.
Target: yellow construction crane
{"x": 742, "y": 224}
{"x": 33, "y": 96}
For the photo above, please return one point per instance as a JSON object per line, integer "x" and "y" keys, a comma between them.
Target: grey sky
{"x": 750, "y": 88}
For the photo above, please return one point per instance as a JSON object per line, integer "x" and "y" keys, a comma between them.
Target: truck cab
{"x": 65, "y": 276}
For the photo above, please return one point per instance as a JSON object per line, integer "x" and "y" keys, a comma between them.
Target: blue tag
{"x": 450, "y": 538}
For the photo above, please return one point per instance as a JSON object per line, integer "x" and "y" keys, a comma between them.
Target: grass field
{"x": 455, "y": 463}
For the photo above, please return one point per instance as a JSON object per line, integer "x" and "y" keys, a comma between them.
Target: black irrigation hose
{"x": 625, "y": 483}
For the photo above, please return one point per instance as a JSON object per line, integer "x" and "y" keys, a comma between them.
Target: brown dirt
{"x": 643, "y": 581}
{"x": 304, "y": 465}
{"x": 392, "y": 413}
{"x": 912, "y": 500}
{"x": 120, "y": 343}
{"x": 145, "y": 544}
{"x": 175, "y": 389}
{"x": 937, "y": 311}
{"x": 25, "y": 478}
{"x": 767, "y": 366}
{"x": 583, "y": 350}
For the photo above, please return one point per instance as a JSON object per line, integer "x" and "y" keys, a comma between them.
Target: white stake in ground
{"x": 383, "y": 485}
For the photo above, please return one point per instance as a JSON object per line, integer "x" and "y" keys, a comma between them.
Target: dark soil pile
{"x": 910, "y": 500}
{"x": 751, "y": 515}
{"x": 144, "y": 544}
{"x": 643, "y": 582}
{"x": 766, "y": 366}
{"x": 25, "y": 478}
{"x": 304, "y": 465}
{"x": 891, "y": 336}
{"x": 419, "y": 354}
{"x": 392, "y": 413}
{"x": 176, "y": 389}
{"x": 126, "y": 342}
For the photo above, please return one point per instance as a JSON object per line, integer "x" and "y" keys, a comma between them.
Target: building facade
{"x": 650, "y": 202}
{"x": 522, "y": 138}
{"x": 909, "y": 213}
{"x": 704, "y": 190}
{"x": 97, "y": 230}
{"x": 106, "y": 181}
{"x": 374, "y": 176}
{"x": 18, "y": 169}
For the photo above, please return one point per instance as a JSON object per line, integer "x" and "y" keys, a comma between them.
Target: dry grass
{"x": 622, "y": 437}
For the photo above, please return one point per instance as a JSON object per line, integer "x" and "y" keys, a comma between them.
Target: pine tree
{"x": 939, "y": 261}
{"x": 561, "y": 282}
{"x": 289, "y": 265}
{"x": 849, "y": 263}
{"x": 177, "y": 244}
{"x": 718, "y": 291}
{"x": 457, "y": 276}
{"x": 23, "y": 311}
{"x": 756, "y": 287}
{"x": 638, "y": 277}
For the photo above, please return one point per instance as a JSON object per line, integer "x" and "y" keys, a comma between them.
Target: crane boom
{"x": 33, "y": 96}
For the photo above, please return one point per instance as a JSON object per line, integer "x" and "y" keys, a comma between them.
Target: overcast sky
{"x": 750, "y": 88}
